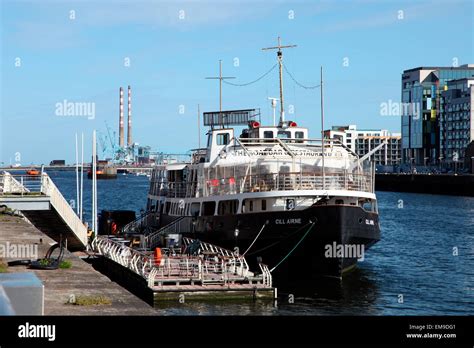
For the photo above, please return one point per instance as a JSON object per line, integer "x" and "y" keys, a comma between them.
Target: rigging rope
{"x": 299, "y": 84}
{"x": 261, "y": 230}
{"x": 299, "y": 242}
{"x": 281, "y": 240}
{"x": 254, "y": 81}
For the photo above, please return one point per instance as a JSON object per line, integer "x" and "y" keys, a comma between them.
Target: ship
{"x": 271, "y": 193}
{"x": 104, "y": 170}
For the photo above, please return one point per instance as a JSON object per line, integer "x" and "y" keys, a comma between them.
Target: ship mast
{"x": 280, "y": 64}
{"x": 220, "y": 78}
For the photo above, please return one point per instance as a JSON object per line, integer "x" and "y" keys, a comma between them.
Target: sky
{"x": 54, "y": 52}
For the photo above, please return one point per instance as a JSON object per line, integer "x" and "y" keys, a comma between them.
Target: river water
{"x": 423, "y": 265}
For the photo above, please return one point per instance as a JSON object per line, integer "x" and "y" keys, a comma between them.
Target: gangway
{"x": 41, "y": 202}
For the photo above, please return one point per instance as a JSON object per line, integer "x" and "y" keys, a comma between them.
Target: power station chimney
{"x": 129, "y": 131}
{"x": 121, "y": 134}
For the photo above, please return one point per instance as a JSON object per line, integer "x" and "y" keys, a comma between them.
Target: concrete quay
{"x": 81, "y": 280}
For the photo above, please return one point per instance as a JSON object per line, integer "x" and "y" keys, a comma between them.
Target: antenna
{"x": 82, "y": 176}
{"x": 280, "y": 64}
{"x": 77, "y": 177}
{"x": 322, "y": 129}
{"x": 94, "y": 183}
{"x": 220, "y": 78}
{"x": 199, "y": 127}
{"x": 274, "y": 105}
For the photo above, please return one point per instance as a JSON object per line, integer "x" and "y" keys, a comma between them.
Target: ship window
{"x": 264, "y": 204}
{"x": 228, "y": 207}
{"x": 168, "y": 206}
{"x": 367, "y": 205}
{"x": 339, "y": 201}
{"x": 299, "y": 135}
{"x": 222, "y": 139}
{"x": 284, "y": 134}
{"x": 195, "y": 208}
{"x": 208, "y": 208}
{"x": 247, "y": 205}
{"x": 268, "y": 134}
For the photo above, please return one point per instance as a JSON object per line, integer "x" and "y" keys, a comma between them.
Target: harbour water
{"x": 423, "y": 265}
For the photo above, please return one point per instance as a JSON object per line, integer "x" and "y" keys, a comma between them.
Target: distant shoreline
{"x": 441, "y": 184}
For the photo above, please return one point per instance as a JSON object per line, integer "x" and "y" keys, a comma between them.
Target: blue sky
{"x": 82, "y": 60}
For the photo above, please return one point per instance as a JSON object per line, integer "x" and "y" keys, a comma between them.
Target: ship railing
{"x": 236, "y": 263}
{"x": 180, "y": 225}
{"x": 138, "y": 262}
{"x": 266, "y": 274}
{"x": 294, "y": 182}
{"x": 303, "y": 143}
{"x": 291, "y": 181}
{"x": 148, "y": 219}
{"x": 175, "y": 269}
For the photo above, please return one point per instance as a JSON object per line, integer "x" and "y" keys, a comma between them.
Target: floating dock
{"x": 208, "y": 273}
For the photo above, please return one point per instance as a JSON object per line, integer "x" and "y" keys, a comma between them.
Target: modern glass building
{"x": 422, "y": 111}
{"x": 457, "y": 130}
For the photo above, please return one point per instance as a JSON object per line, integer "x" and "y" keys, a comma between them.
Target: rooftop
{"x": 461, "y": 67}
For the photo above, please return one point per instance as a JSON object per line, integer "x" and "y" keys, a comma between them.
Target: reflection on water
{"x": 423, "y": 265}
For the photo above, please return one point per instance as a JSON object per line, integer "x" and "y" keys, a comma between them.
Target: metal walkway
{"x": 41, "y": 202}
{"x": 212, "y": 269}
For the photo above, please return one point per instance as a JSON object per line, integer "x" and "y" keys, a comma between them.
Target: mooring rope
{"x": 265, "y": 224}
{"x": 299, "y": 242}
{"x": 279, "y": 241}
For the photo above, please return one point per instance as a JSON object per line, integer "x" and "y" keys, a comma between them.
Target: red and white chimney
{"x": 129, "y": 131}
{"x": 121, "y": 132}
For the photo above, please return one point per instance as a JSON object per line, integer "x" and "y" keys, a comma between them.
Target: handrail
{"x": 136, "y": 225}
{"x": 9, "y": 184}
{"x": 176, "y": 226}
{"x": 176, "y": 269}
{"x": 63, "y": 208}
{"x": 237, "y": 263}
{"x": 290, "y": 181}
{"x": 44, "y": 185}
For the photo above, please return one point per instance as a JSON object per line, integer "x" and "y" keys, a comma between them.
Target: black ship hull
{"x": 302, "y": 245}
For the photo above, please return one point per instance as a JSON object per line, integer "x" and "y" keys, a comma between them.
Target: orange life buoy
{"x": 157, "y": 255}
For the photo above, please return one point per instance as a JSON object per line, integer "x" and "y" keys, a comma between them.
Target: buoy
{"x": 157, "y": 255}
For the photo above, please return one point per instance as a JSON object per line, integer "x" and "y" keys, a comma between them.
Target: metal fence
{"x": 210, "y": 265}
{"x": 270, "y": 182}
{"x": 20, "y": 184}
